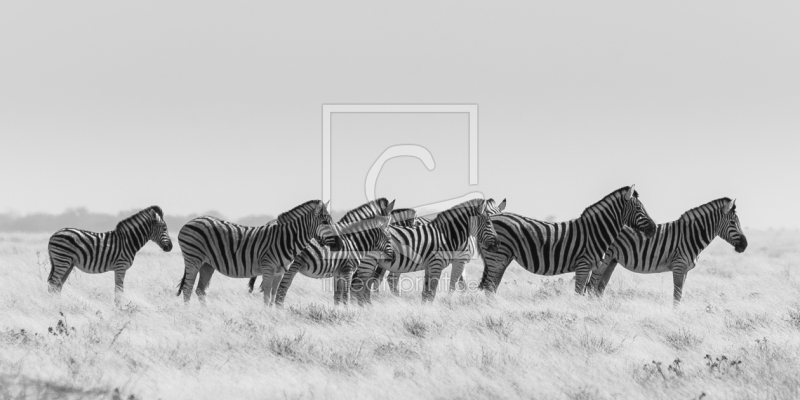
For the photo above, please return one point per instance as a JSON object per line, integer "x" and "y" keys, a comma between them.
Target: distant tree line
{"x": 82, "y": 218}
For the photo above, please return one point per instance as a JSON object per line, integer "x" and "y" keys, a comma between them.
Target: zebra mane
{"x": 359, "y": 226}
{"x": 298, "y": 211}
{"x": 127, "y": 221}
{"x": 405, "y": 214}
{"x": 613, "y": 195}
{"x": 469, "y": 204}
{"x": 704, "y": 209}
{"x": 402, "y": 210}
{"x": 375, "y": 207}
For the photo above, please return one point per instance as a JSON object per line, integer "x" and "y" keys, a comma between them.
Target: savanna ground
{"x": 736, "y": 335}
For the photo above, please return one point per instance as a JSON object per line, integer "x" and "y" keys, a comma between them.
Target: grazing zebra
{"x": 237, "y": 251}
{"x": 456, "y": 274}
{"x": 96, "y": 253}
{"x": 546, "y": 248}
{"x": 316, "y": 261}
{"x": 675, "y": 245}
{"x": 430, "y": 247}
{"x": 358, "y": 239}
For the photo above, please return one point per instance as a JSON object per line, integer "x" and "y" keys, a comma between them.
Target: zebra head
{"x": 325, "y": 233}
{"x": 384, "y": 242}
{"x": 482, "y": 228}
{"x": 158, "y": 229}
{"x": 492, "y": 208}
{"x": 635, "y": 216}
{"x": 729, "y": 228}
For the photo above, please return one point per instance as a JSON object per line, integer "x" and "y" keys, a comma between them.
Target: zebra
{"x": 367, "y": 210}
{"x": 316, "y": 261}
{"x": 675, "y": 245}
{"x": 358, "y": 239}
{"x": 430, "y": 247}
{"x": 546, "y": 248}
{"x": 95, "y": 253}
{"x": 457, "y": 281}
{"x": 210, "y": 244}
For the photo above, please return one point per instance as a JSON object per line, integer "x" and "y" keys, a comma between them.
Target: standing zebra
{"x": 237, "y": 251}
{"x": 546, "y": 248}
{"x": 358, "y": 239}
{"x": 370, "y": 209}
{"x": 96, "y": 253}
{"x": 430, "y": 247}
{"x": 675, "y": 245}
{"x": 456, "y": 274}
{"x": 317, "y": 261}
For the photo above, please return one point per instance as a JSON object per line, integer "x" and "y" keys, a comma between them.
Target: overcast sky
{"x": 197, "y": 106}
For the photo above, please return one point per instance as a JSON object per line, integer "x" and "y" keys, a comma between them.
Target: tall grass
{"x": 736, "y": 335}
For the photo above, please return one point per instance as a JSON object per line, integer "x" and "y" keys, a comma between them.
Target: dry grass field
{"x": 735, "y": 336}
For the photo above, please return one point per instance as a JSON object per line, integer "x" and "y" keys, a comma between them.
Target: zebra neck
{"x": 455, "y": 231}
{"x": 134, "y": 237}
{"x": 702, "y": 231}
{"x": 602, "y": 227}
{"x": 300, "y": 233}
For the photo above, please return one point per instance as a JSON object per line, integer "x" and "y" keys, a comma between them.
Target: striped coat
{"x": 430, "y": 247}
{"x": 675, "y": 245}
{"x": 316, "y": 259}
{"x": 210, "y": 244}
{"x": 115, "y": 250}
{"x": 546, "y": 248}
{"x": 456, "y": 280}
{"x": 358, "y": 239}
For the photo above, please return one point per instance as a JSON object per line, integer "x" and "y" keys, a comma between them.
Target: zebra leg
{"x": 393, "y": 279}
{"x": 251, "y": 284}
{"x": 362, "y": 278}
{"x": 346, "y": 278}
{"x": 341, "y": 287}
{"x": 276, "y": 281}
{"x": 59, "y": 272}
{"x": 286, "y": 281}
{"x": 602, "y": 282}
{"x": 187, "y": 283}
{"x": 66, "y": 275}
{"x": 206, "y": 271}
{"x": 678, "y": 278}
{"x": 494, "y": 268}
{"x": 456, "y": 276}
{"x": 582, "y": 273}
{"x": 119, "y": 282}
{"x": 375, "y": 280}
{"x": 432, "y": 275}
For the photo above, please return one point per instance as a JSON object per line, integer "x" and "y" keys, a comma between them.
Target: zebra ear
{"x": 502, "y": 205}
{"x": 730, "y": 207}
{"x": 631, "y": 190}
{"x": 321, "y": 208}
{"x": 383, "y": 222}
{"x": 389, "y": 208}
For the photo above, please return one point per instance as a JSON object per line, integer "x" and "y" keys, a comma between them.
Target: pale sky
{"x": 199, "y": 106}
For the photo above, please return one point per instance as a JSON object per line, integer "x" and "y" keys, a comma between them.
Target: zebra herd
{"x": 374, "y": 238}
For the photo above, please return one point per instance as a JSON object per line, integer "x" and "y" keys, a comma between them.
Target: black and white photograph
{"x": 399, "y": 200}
